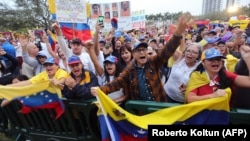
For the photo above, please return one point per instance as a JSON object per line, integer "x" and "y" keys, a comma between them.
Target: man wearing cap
{"x": 101, "y": 44}
{"x": 140, "y": 80}
{"x": 230, "y": 60}
{"x": 33, "y": 57}
{"x": 81, "y": 80}
{"x": 211, "y": 80}
{"x": 76, "y": 48}
{"x": 153, "y": 44}
{"x": 211, "y": 33}
{"x": 209, "y": 42}
{"x": 50, "y": 80}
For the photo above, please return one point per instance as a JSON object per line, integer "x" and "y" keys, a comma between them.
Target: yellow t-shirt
{"x": 39, "y": 82}
{"x": 43, "y": 76}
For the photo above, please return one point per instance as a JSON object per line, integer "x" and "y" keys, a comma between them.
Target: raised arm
{"x": 25, "y": 44}
{"x": 90, "y": 46}
{"x": 169, "y": 49}
{"x": 45, "y": 39}
{"x": 96, "y": 38}
{"x": 244, "y": 81}
{"x": 61, "y": 40}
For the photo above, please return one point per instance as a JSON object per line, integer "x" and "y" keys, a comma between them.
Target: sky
{"x": 162, "y": 6}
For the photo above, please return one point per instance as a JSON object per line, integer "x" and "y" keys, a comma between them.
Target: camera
{"x": 38, "y": 34}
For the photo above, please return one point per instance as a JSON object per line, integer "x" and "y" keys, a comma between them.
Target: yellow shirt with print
{"x": 43, "y": 77}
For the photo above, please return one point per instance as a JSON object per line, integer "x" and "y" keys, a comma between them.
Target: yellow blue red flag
{"x": 35, "y": 96}
{"x": 119, "y": 125}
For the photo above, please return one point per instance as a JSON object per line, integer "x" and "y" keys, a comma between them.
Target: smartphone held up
{"x": 101, "y": 21}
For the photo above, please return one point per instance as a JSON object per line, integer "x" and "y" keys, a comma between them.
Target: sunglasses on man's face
{"x": 47, "y": 64}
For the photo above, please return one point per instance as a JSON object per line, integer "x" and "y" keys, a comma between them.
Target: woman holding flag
{"x": 210, "y": 79}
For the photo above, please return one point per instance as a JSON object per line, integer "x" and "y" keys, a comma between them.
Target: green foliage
{"x": 20, "y": 15}
{"x": 221, "y": 15}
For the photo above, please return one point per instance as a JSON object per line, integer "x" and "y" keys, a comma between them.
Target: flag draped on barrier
{"x": 119, "y": 125}
{"x": 35, "y": 96}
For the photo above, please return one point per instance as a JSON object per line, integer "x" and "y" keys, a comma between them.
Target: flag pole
{"x": 73, "y": 28}
{"x": 105, "y": 117}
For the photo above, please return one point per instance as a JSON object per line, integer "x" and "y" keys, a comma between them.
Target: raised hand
{"x": 185, "y": 20}
{"x": 24, "y": 40}
{"x": 55, "y": 25}
{"x": 245, "y": 52}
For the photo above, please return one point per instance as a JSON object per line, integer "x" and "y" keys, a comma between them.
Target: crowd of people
{"x": 153, "y": 65}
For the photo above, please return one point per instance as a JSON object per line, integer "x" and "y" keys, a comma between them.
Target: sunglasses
{"x": 47, "y": 64}
{"x": 140, "y": 50}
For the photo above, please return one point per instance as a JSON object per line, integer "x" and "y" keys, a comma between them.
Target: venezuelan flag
{"x": 76, "y": 30}
{"x": 35, "y": 96}
{"x": 119, "y": 125}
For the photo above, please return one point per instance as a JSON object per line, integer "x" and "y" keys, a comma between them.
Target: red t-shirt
{"x": 208, "y": 89}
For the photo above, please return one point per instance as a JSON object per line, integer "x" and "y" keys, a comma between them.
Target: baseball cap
{"x": 41, "y": 53}
{"x": 50, "y": 61}
{"x": 212, "y": 39}
{"x": 76, "y": 41}
{"x": 142, "y": 38}
{"x": 118, "y": 34}
{"x": 102, "y": 41}
{"x": 74, "y": 59}
{"x": 111, "y": 59}
{"x": 221, "y": 42}
{"x": 140, "y": 44}
{"x": 152, "y": 40}
{"x": 212, "y": 32}
{"x": 127, "y": 38}
{"x": 211, "y": 53}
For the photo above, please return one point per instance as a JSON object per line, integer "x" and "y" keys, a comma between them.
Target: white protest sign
{"x": 138, "y": 19}
{"x": 71, "y": 11}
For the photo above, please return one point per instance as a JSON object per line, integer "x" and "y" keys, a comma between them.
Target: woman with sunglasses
{"x": 211, "y": 79}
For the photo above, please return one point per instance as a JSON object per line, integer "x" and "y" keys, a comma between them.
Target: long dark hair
{"x": 124, "y": 48}
{"x": 117, "y": 72}
{"x": 224, "y": 82}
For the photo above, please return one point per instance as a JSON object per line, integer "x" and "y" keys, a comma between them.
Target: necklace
{"x": 212, "y": 82}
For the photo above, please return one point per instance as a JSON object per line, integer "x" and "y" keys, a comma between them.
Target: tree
{"x": 24, "y": 14}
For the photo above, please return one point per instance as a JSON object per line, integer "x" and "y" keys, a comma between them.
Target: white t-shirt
{"x": 113, "y": 95}
{"x": 85, "y": 58}
{"x": 179, "y": 75}
{"x": 18, "y": 49}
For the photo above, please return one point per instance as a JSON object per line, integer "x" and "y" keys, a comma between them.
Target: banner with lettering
{"x": 242, "y": 23}
{"x": 138, "y": 19}
{"x": 71, "y": 11}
